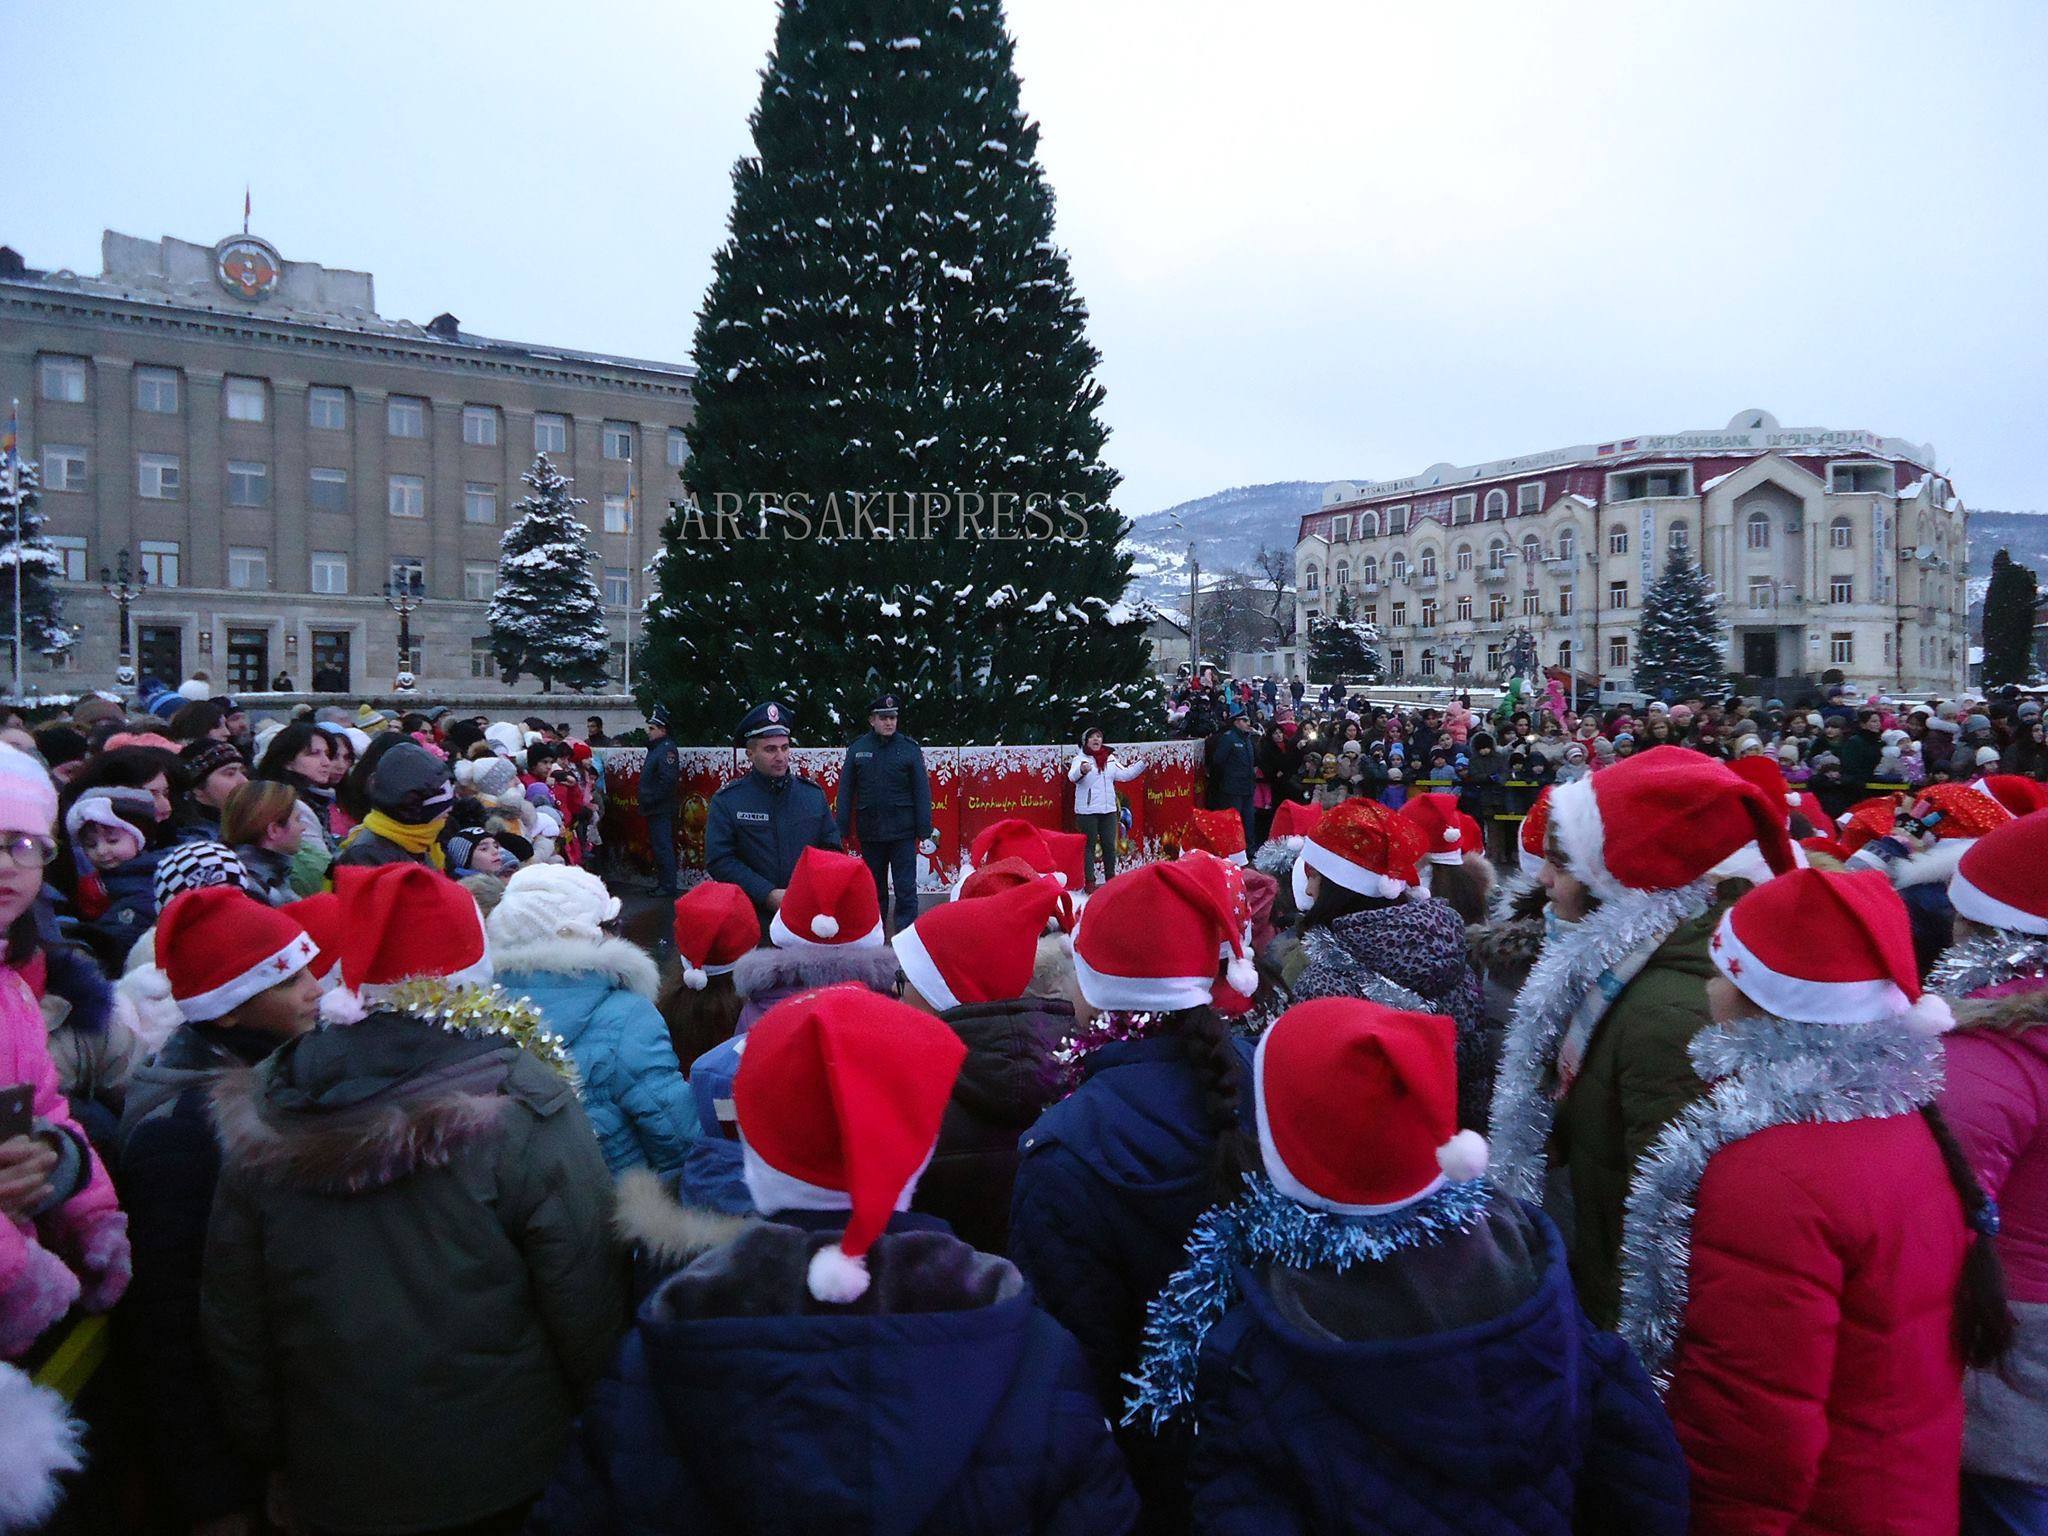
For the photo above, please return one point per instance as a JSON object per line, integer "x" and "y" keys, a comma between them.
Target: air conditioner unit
{"x": 1792, "y": 523}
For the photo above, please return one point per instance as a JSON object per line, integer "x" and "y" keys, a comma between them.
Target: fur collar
{"x": 787, "y": 970}
{"x": 671, "y": 1234}
{"x": 2009, "y": 1012}
{"x": 1568, "y": 968}
{"x": 1504, "y": 943}
{"x": 1937, "y": 866}
{"x": 1764, "y": 1072}
{"x": 624, "y": 964}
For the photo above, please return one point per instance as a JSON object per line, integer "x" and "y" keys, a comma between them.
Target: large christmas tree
{"x": 895, "y": 476}
{"x": 2009, "y": 613}
{"x": 1341, "y": 648}
{"x": 23, "y": 543}
{"x": 1678, "y": 643}
{"x": 547, "y": 617}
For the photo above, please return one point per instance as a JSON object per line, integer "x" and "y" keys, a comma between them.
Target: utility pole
{"x": 1194, "y": 617}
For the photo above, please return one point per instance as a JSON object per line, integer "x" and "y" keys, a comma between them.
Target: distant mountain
{"x": 2024, "y": 533}
{"x": 1227, "y": 529}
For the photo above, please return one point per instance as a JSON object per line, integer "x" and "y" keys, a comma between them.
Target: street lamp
{"x": 124, "y": 584}
{"x": 402, "y": 597}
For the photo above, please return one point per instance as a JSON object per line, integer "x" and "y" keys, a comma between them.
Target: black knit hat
{"x": 205, "y": 757}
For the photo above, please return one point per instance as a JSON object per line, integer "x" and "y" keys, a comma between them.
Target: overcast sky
{"x": 1319, "y": 240}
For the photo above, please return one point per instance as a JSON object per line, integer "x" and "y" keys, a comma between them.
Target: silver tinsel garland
{"x": 486, "y": 1010}
{"x": 1263, "y": 1226}
{"x": 1765, "y": 1071}
{"x": 1568, "y": 968}
{"x": 1988, "y": 961}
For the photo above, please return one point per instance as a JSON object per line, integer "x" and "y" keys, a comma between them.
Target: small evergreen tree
{"x": 2009, "y": 613}
{"x": 547, "y": 616}
{"x": 22, "y": 541}
{"x": 1678, "y": 646}
{"x": 1342, "y": 649}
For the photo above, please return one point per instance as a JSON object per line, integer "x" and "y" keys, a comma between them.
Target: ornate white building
{"x": 1831, "y": 550}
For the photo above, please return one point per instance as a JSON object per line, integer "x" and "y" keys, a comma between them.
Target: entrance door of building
{"x": 160, "y": 653}
{"x": 1760, "y": 654}
{"x": 331, "y": 661}
{"x": 248, "y": 660}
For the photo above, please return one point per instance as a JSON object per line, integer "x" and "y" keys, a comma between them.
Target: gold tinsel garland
{"x": 488, "y": 1010}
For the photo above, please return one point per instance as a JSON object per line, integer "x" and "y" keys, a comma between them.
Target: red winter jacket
{"x": 1997, "y": 1100}
{"x": 1816, "y": 1387}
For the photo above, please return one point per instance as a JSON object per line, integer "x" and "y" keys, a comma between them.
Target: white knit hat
{"x": 543, "y": 902}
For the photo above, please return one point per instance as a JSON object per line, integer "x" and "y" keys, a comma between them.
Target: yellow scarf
{"x": 415, "y": 838}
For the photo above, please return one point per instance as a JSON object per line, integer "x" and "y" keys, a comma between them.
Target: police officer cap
{"x": 658, "y": 716}
{"x": 887, "y": 704}
{"x": 766, "y": 720}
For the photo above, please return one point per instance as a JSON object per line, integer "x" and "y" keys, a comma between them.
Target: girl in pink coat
{"x": 63, "y": 1239}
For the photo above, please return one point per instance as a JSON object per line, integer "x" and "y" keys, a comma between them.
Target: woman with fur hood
{"x": 1809, "y": 1257}
{"x": 1996, "y": 1097}
{"x": 548, "y": 944}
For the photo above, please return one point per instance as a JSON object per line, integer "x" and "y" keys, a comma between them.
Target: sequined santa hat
{"x": 1362, "y": 846}
{"x": 1293, "y": 821}
{"x": 1217, "y": 832}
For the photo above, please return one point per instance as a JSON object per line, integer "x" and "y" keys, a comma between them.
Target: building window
{"x": 618, "y": 585}
{"x": 327, "y": 408}
{"x": 1617, "y": 539}
{"x": 248, "y": 484}
{"x": 408, "y": 496}
{"x": 1529, "y": 498}
{"x": 1841, "y": 589}
{"x": 71, "y": 549}
{"x": 1841, "y": 534}
{"x": 1398, "y": 660}
{"x": 1497, "y": 555}
{"x": 1369, "y": 570}
{"x": 1343, "y": 566}
{"x": 330, "y": 573}
{"x": 156, "y": 391}
{"x": 1496, "y": 657}
{"x": 1532, "y": 606}
{"x": 63, "y": 379}
{"x": 1464, "y": 507}
{"x": 1617, "y": 650}
{"x": 409, "y": 574}
{"x": 1841, "y": 648}
{"x": 63, "y": 468}
{"x": 1370, "y": 615}
{"x": 1759, "y": 592}
{"x": 1429, "y": 613}
{"x": 1861, "y": 479}
{"x": 1565, "y": 601}
{"x": 156, "y": 476}
{"x": 405, "y": 416}
{"x": 244, "y": 399}
{"x": 480, "y": 426}
{"x": 248, "y": 569}
{"x": 1464, "y": 606}
{"x": 1340, "y": 529}
{"x": 1397, "y": 566}
{"x": 1564, "y": 654}
{"x": 1429, "y": 663}
{"x": 1642, "y": 484}
{"x": 479, "y": 502}
{"x": 1887, "y": 647}
{"x": 618, "y": 520}
{"x": 1532, "y": 554}
{"x": 678, "y": 448}
{"x": 1397, "y": 519}
{"x": 1758, "y": 526}
{"x": 618, "y": 440}
{"x": 1464, "y": 559}
{"x": 482, "y": 662}
{"x": 327, "y": 490}
{"x": 160, "y": 561}
{"x": 1314, "y": 583}
{"x": 550, "y": 433}
{"x": 479, "y": 581}
{"x": 1617, "y": 594}
{"x": 1497, "y": 609}
{"x": 1496, "y": 502}
{"x": 1425, "y": 562}
{"x": 1368, "y": 525}
{"x": 1567, "y": 545}
{"x": 1401, "y": 614}
{"x": 1680, "y": 538}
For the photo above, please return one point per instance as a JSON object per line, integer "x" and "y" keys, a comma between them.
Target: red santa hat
{"x": 829, "y": 903}
{"x": 980, "y": 949}
{"x": 1827, "y": 948}
{"x": 322, "y": 918}
{"x": 1069, "y": 855}
{"x": 715, "y": 925}
{"x": 1292, "y": 823}
{"x": 1014, "y": 838}
{"x": 405, "y": 920}
{"x": 1149, "y": 940}
{"x": 1529, "y": 846}
{"x": 2021, "y": 796}
{"x": 220, "y": 947}
{"x": 1999, "y": 882}
{"x": 1217, "y": 832}
{"x": 1231, "y": 994}
{"x": 1663, "y": 819}
{"x": 997, "y": 875}
{"x": 1443, "y": 827}
{"x": 1362, "y": 846}
{"x": 1966, "y": 814}
{"x": 1357, "y": 1106}
{"x": 839, "y": 1096}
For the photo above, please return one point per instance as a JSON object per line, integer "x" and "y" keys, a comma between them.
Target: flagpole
{"x": 14, "y": 500}
{"x": 632, "y": 544}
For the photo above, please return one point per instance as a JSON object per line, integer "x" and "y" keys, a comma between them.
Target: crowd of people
{"x": 1669, "y": 1160}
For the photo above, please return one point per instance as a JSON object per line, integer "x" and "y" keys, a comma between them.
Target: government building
{"x": 1831, "y": 551}
{"x": 280, "y": 461}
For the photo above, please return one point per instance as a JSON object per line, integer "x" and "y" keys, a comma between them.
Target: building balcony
{"x": 1493, "y": 576}
{"x": 1368, "y": 587}
{"x": 1423, "y": 583}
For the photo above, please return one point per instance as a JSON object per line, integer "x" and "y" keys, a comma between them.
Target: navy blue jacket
{"x": 661, "y": 775}
{"x": 131, "y": 909}
{"x": 883, "y": 790}
{"x": 1328, "y": 1402}
{"x": 942, "y": 1402}
{"x": 758, "y": 827}
{"x": 1232, "y": 754}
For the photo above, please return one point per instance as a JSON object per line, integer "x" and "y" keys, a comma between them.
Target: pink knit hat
{"x": 28, "y": 800}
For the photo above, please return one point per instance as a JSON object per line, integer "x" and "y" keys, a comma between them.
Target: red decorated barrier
{"x": 972, "y": 788}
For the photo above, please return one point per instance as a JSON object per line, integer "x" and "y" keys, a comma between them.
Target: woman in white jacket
{"x": 1096, "y": 772}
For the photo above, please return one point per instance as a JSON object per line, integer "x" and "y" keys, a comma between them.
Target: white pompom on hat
{"x": 715, "y": 926}
{"x": 830, "y": 902}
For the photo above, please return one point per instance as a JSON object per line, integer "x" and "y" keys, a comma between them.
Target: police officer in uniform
{"x": 884, "y": 794}
{"x": 759, "y": 824}
{"x": 660, "y": 777}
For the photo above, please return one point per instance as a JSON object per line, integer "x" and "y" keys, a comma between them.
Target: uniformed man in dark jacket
{"x": 760, "y": 824}
{"x": 1232, "y": 756}
{"x": 660, "y": 777}
{"x": 884, "y": 794}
